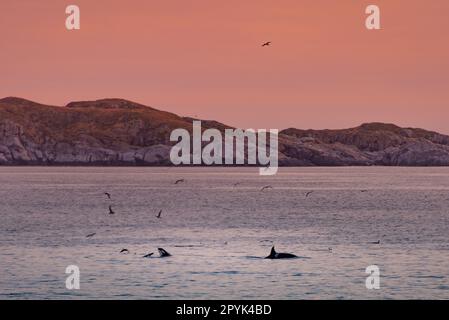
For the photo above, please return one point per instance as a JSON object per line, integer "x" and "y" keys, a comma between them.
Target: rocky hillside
{"x": 120, "y": 132}
{"x": 370, "y": 144}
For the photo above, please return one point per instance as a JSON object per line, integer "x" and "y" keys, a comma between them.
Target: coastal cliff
{"x": 121, "y": 132}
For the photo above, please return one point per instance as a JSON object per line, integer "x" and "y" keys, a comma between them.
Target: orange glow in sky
{"x": 204, "y": 58}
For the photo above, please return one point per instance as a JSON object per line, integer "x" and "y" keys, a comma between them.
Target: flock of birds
{"x": 163, "y": 253}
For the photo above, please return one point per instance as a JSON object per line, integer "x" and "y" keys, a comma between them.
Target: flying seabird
{"x": 266, "y": 44}
{"x": 110, "y": 210}
{"x": 159, "y": 214}
{"x": 266, "y": 187}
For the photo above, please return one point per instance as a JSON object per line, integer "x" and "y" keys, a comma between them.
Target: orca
{"x": 276, "y": 255}
{"x": 163, "y": 253}
{"x": 148, "y": 255}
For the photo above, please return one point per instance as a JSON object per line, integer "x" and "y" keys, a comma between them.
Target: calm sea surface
{"x": 218, "y": 225}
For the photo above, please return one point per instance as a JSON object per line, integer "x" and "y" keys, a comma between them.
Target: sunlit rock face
{"x": 121, "y": 132}
{"x": 371, "y": 144}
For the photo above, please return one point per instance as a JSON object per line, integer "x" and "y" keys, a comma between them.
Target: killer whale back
{"x": 285, "y": 256}
{"x": 275, "y": 255}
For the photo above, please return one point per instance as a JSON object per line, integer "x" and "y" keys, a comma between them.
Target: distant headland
{"x": 120, "y": 132}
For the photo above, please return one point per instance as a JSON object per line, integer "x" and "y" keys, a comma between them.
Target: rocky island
{"x": 121, "y": 132}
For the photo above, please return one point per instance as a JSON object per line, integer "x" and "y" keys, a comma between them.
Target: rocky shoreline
{"x": 116, "y": 132}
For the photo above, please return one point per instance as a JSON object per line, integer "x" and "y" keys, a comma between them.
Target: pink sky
{"x": 204, "y": 58}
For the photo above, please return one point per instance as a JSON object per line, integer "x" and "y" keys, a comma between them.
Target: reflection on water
{"x": 218, "y": 225}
